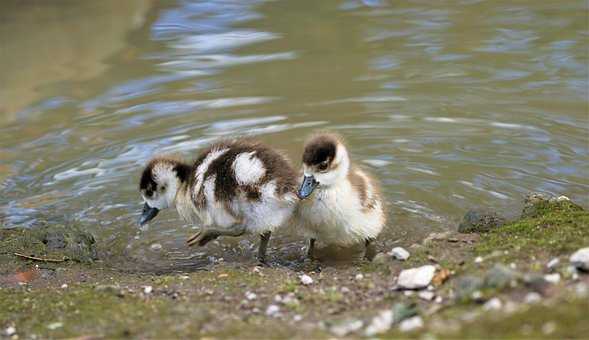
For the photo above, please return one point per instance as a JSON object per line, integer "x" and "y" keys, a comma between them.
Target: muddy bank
{"x": 514, "y": 278}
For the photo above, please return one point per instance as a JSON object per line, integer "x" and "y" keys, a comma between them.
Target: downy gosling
{"x": 233, "y": 188}
{"x": 340, "y": 203}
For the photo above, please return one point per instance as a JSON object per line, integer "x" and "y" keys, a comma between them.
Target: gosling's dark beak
{"x": 148, "y": 214}
{"x": 309, "y": 184}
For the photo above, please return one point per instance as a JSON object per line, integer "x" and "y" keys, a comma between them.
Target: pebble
{"x": 381, "y": 258}
{"x": 306, "y": 279}
{"x": 272, "y": 310}
{"x": 493, "y": 304}
{"x": 439, "y": 299}
{"x": 549, "y": 328}
{"x": 251, "y": 296}
{"x": 399, "y": 253}
{"x": 553, "y": 263}
{"x": 478, "y": 259}
{"x": 297, "y": 318}
{"x": 533, "y": 297}
{"x": 345, "y": 290}
{"x": 346, "y": 327}
{"x": 54, "y": 325}
{"x": 411, "y": 324}
{"x": 147, "y": 289}
{"x": 416, "y": 278}
{"x": 156, "y": 247}
{"x": 380, "y": 323}
{"x": 10, "y": 331}
{"x": 426, "y": 295}
{"x": 580, "y": 259}
{"x": 359, "y": 276}
{"x": 552, "y": 278}
{"x": 64, "y": 286}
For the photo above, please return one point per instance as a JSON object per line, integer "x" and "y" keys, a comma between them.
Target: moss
{"x": 566, "y": 319}
{"x": 49, "y": 241}
{"x": 556, "y": 232}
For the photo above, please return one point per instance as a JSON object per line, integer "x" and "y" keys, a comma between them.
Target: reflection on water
{"x": 453, "y": 105}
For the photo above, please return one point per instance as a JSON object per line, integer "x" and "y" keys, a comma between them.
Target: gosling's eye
{"x": 163, "y": 188}
{"x": 322, "y": 166}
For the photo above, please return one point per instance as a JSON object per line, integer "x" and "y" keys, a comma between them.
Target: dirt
{"x": 94, "y": 299}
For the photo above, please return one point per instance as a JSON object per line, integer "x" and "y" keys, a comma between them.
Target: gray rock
{"x": 580, "y": 259}
{"x": 465, "y": 286}
{"x": 478, "y": 221}
{"x": 536, "y": 282}
{"x": 411, "y": 324}
{"x": 500, "y": 276}
{"x": 346, "y": 327}
{"x": 416, "y": 278}
{"x": 381, "y": 258}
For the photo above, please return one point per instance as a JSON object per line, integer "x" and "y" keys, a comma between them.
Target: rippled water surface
{"x": 451, "y": 104}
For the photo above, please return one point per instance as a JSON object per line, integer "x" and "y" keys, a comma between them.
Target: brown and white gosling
{"x": 233, "y": 188}
{"x": 340, "y": 203}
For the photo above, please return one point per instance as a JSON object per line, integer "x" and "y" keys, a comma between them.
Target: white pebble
{"x": 380, "y": 323}
{"x": 552, "y": 278}
{"x": 399, "y": 253}
{"x": 147, "y": 289}
{"x": 359, "y": 276}
{"x": 553, "y": 263}
{"x": 411, "y": 324}
{"x": 533, "y": 297}
{"x": 54, "y": 325}
{"x": 426, "y": 295}
{"x": 297, "y": 318}
{"x": 156, "y": 247}
{"x": 439, "y": 299}
{"x": 272, "y": 310}
{"x": 345, "y": 290}
{"x": 416, "y": 278}
{"x": 562, "y": 198}
{"x": 10, "y": 331}
{"x": 478, "y": 259}
{"x": 64, "y": 286}
{"x": 251, "y": 296}
{"x": 306, "y": 279}
{"x": 493, "y": 304}
{"x": 580, "y": 259}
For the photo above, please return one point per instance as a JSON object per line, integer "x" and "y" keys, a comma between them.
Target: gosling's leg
{"x": 203, "y": 237}
{"x": 370, "y": 249}
{"x": 311, "y": 249}
{"x": 264, "y": 239}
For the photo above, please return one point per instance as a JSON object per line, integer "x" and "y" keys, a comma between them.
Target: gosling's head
{"x": 325, "y": 163}
{"x": 159, "y": 184}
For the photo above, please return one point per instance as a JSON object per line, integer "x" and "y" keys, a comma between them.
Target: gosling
{"x": 340, "y": 203}
{"x": 233, "y": 188}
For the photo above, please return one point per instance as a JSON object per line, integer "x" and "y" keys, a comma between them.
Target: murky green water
{"x": 452, "y": 104}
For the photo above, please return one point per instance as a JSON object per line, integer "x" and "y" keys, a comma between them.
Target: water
{"x": 451, "y": 104}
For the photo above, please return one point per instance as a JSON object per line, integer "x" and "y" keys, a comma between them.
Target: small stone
{"x": 426, "y": 295}
{"x": 54, "y": 325}
{"x": 493, "y": 304}
{"x": 411, "y": 324}
{"x": 533, "y": 297}
{"x": 346, "y": 327}
{"x": 439, "y": 299}
{"x": 436, "y": 237}
{"x": 250, "y": 296}
{"x": 416, "y": 278}
{"x": 155, "y": 247}
{"x": 272, "y": 310}
{"x": 345, "y": 290}
{"x": 500, "y": 276}
{"x": 381, "y": 258}
{"x": 580, "y": 259}
{"x": 480, "y": 221}
{"x": 64, "y": 286}
{"x": 359, "y": 276}
{"x": 553, "y": 263}
{"x": 297, "y": 318}
{"x": 380, "y": 323}
{"x": 10, "y": 331}
{"x": 478, "y": 259}
{"x": 552, "y": 278}
{"x": 477, "y": 295}
{"x": 306, "y": 279}
{"x": 562, "y": 198}
{"x": 399, "y": 253}
{"x": 147, "y": 289}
